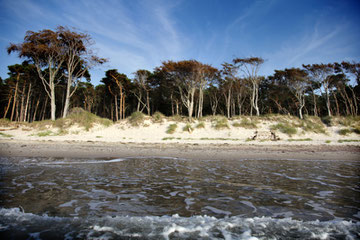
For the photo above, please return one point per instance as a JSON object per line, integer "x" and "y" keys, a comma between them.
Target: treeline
{"x": 50, "y": 82}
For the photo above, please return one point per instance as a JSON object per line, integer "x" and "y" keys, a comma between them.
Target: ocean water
{"x": 172, "y": 198}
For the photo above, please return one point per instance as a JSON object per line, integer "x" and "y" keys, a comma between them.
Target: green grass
{"x": 176, "y": 118}
{"x": 311, "y": 124}
{"x": 158, "y": 117}
{"x": 4, "y": 122}
{"x": 5, "y": 135}
{"x": 171, "y": 129}
{"x": 284, "y": 128}
{"x": 188, "y": 128}
{"x": 246, "y": 123}
{"x": 222, "y": 139}
{"x": 220, "y": 123}
{"x": 45, "y": 133}
{"x": 344, "y": 131}
{"x": 136, "y": 119}
{"x": 200, "y": 125}
{"x": 348, "y": 140}
{"x": 327, "y": 120}
{"x": 168, "y": 138}
{"x": 77, "y": 116}
{"x": 300, "y": 140}
{"x": 328, "y": 141}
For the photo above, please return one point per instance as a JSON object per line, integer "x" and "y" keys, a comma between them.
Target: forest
{"x": 54, "y": 78}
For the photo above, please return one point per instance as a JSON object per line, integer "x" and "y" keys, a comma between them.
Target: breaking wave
{"x": 15, "y": 224}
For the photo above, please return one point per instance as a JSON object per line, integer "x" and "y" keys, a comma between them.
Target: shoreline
{"x": 98, "y": 149}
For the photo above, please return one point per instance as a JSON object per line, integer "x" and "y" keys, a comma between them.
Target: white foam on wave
{"x": 83, "y": 162}
{"x": 169, "y": 227}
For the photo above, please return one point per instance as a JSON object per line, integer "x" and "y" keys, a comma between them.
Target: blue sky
{"x": 141, "y": 34}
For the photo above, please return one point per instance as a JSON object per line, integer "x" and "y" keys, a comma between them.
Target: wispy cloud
{"x": 131, "y": 34}
{"x": 317, "y": 45}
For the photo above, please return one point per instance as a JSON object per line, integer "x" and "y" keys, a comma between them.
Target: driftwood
{"x": 265, "y": 135}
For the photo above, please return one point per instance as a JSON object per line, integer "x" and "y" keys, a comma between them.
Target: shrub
{"x": 188, "y": 128}
{"x": 158, "y": 117}
{"x": 136, "y": 119}
{"x": 284, "y": 128}
{"x": 4, "y": 122}
{"x": 171, "y": 129}
{"x": 220, "y": 123}
{"x": 82, "y": 118}
{"x": 312, "y": 124}
{"x": 348, "y": 140}
{"x": 344, "y": 131}
{"x": 45, "y": 133}
{"x": 245, "y": 123}
{"x": 200, "y": 125}
{"x": 176, "y": 118}
{"x": 300, "y": 140}
{"x": 327, "y": 120}
{"x": 5, "y": 135}
{"x": 328, "y": 141}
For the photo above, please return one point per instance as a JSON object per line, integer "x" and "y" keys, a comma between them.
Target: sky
{"x": 141, "y": 34}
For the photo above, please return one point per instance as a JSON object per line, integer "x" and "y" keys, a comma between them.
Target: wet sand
{"x": 74, "y": 149}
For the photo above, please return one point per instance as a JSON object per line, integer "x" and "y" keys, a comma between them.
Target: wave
{"x": 15, "y": 224}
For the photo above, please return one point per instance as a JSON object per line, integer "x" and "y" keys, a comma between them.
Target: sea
{"x": 175, "y": 198}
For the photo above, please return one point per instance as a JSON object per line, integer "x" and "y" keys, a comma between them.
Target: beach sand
{"x": 152, "y": 140}
{"x": 71, "y": 149}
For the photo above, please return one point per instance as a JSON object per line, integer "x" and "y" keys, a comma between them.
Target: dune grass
{"x": 158, "y": 117}
{"x": 136, "y": 119}
{"x": 77, "y": 116}
{"x": 188, "y": 128}
{"x": 171, "y": 128}
{"x": 284, "y": 128}
{"x": 200, "y": 125}
{"x": 348, "y": 140}
{"x": 5, "y": 135}
{"x": 300, "y": 140}
{"x": 220, "y": 122}
{"x": 246, "y": 123}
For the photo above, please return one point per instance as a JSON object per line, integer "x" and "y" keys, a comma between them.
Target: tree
{"x": 142, "y": 90}
{"x": 297, "y": 82}
{"x": 321, "y": 73}
{"x": 79, "y": 59}
{"x": 117, "y": 84}
{"x": 45, "y": 50}
{"x": 188, "y": 76}
{"x": 250, "y": 68}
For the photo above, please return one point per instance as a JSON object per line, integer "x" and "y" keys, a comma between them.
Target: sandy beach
{"x": 69, "y": 149}
{"x": 152, "y": 139}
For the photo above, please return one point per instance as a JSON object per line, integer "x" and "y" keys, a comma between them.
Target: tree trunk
{"x": 191, "y": 103}
{"x": 256, "y": 100}
{"x": 52, "y": 98}
{"x": 15, "y": 96}
{"x": 228, "y": 102}
{"x": 355, "y": 101}
{"x": 44, "y": 108}
{"x": 7, "y": 106}
{"x": 22, "y": 107}
{"x": 36, "y": 108}
{"x": 327, "y": 95}
{"x": 116, "y": 108}
{"x": 148, "y": 103}
{"x": 67, "y": 97}
{"x": 172, "y": 104}
{"x": 27, "y": 102}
